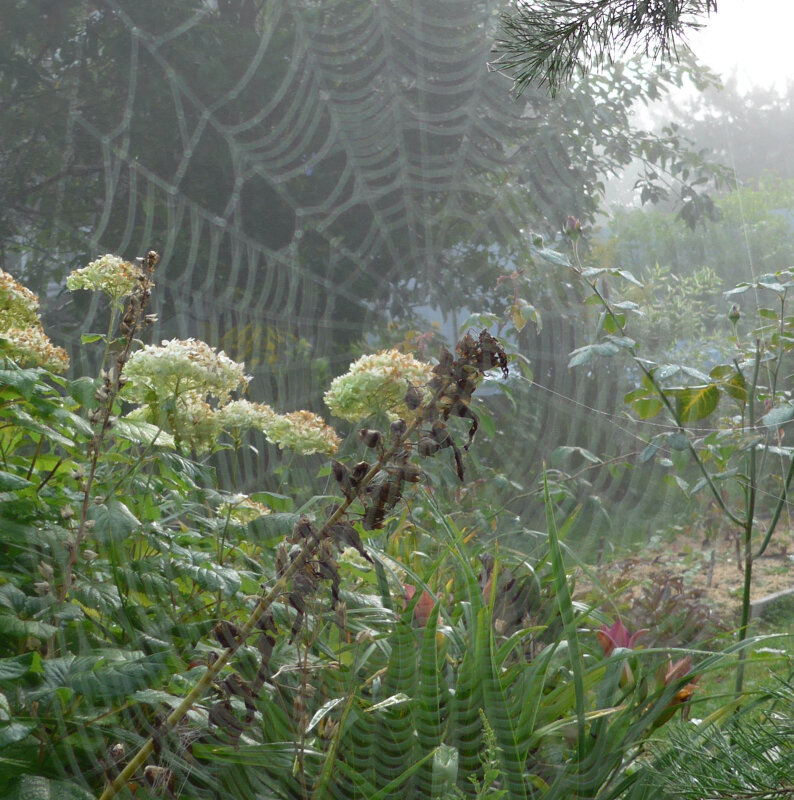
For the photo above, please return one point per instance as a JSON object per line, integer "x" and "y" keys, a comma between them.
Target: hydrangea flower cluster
{"x": 241, "y": 510}
{"x": 375, "y": 383}
{"x": 31, "y": 347}
{"x": 108, "y": 274}
{"x": 158, "y": 373}
{"x": 173, "y": 381}
{"x": 19, "y": 307}
{"x": 22, "y": 336}
{"x": 238, "y": 416}
{"x": 303, "y": 432}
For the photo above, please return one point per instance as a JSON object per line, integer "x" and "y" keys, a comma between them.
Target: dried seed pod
{"x": 161, "y": 779}
{"x": 427, "y": 446}
{"x": 341, "y": 475}
{"x": 410, "y": 473}
{"x": 397, "y": 429}
{"x": 302, "y": 529}
{"x": 371, "y": 438}
{"x": 412, "y": 397}
{"x": 226, "y": 633}
{"x": 358, "y": 472}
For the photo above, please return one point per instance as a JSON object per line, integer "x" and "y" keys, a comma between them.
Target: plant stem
{"x": 751, "y": 493}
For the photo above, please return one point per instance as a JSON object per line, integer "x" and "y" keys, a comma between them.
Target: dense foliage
{"x": 161, "y": 633}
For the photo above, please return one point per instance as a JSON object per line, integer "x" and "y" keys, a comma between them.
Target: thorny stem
{"x": 247, "y": 628}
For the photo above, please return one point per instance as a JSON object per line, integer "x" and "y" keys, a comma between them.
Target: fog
{"x": 324, "y": 180}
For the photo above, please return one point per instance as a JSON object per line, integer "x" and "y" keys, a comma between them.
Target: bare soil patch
{"x": 711, "y": 568}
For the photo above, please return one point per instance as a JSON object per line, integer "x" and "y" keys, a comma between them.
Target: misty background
{"x": 326, "y": 178}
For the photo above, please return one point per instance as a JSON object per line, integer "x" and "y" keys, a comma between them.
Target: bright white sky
{"x": 752, "y": 38}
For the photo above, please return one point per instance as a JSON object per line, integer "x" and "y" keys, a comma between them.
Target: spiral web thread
{"x": 381, "y": 143}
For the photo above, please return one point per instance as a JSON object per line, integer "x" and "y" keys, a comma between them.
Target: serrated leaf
{"x": 626, "y": 305}
{"x": 141, "y": 432}
{"x": 12, "y": 732}
{"x": 623, "y": 341}
{"x": 113, "y": 520}
{"x": 22, "y": 628}
{"x": 212, "y": 577}
{"x": 15, "y": 667}
{"x": 23, "y": 380}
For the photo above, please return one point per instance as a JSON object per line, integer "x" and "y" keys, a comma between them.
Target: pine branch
{"x": 544, "y": 42}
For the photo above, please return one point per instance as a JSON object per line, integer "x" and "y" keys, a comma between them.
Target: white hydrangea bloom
{"x": 191, "y": 421}
{"x": 376, "y": 383}
{"x": 241, "y": 509}
{"x": 302, "y": 432}
{"x": 176, "y": 367}
{"x": 240, "y": 415}
{"x": 109, "y": 274}
{"x": 19, "y": 306}
{"x": 31, "y": 347}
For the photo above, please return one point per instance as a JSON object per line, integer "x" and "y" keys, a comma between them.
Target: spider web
{"x": 338, "y": 163}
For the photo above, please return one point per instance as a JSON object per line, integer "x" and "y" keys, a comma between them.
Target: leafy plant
{"x": 741, "y": 462}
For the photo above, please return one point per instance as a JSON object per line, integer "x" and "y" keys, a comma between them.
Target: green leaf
{"x": 23, "y": 380}
{"x": 90, "y": 338}
{"x": 10, "y": 482}
{"x": 625, "y": 274}
{"x": 778, "y": 416}
{"x": 740, "y": 288}
{"x": 16, "y": 667}
{"x": 567, "y": 450}
{"x": 695, "y": 402}
{"x": 276, "y": 502}
{"x": 113, "y": 520}
{"x": 140, "y": 432}
{"x": 82, "y": 390}
{"x": 36, "y": 787}
{"x": 678, "y": 441}
{"x": 647, "y": 407}
{"x": 583, "y": 354}
{"x": 649, "y": 452}
{"x": 212, "y": 577}
{"x": 22, "y": 628}
{"x": 552, "y": 256}
{"x": 12, "y": 732}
